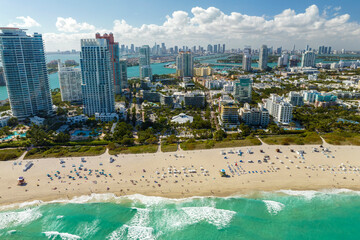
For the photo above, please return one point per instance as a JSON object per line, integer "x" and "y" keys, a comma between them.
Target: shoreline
{"x": 128, "y": 176}
{"x": 113, "y": 198}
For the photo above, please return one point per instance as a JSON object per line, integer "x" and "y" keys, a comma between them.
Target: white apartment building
{"x": 97, "y": 77}
{"x": 308, "y": 59}
{"x": 106, "y": 117}
{"x": 70, "y": 83}
{"x": 279, "y": 109}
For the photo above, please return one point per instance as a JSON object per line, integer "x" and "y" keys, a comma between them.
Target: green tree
{"x": 62, "y": 137}
{"x": 13, "y": 122}
{"x": 37, "y": 136}
{"x": 219, "y": 135}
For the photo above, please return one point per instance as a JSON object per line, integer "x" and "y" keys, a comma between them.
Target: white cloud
{"x": 211, "y": 25}
{"x": 26, "y": 22}
{"x": 71, "y": 25}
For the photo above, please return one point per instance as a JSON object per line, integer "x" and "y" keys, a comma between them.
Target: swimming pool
{"x": 84, "y": 133}
{"x": 14, "y": 134}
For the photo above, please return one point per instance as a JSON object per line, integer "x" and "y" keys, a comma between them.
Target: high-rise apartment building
{"x": 114, "y": 58}
{"x": 293, "y": 61}
{"x": 70, "y": 83}
{"x": 123, "y": 73}
{"x": 210, "y": 48}
{"x": 215, "y": 48}
{"x": 97, "y": 77}
{"x": 27, "y": 82}
{"x": 246, "y": 62}
{"x": 184, "y": 64}
{"x": 308, "y": 59}
{"x": 242, "y": 90}
{"x": 144, "y": 62}
{"x": 263, "y": 57}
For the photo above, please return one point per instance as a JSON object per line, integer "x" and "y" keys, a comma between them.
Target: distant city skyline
{"x": 235, "y": 23}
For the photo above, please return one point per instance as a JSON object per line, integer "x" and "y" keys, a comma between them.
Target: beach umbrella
{"x": 223, "y": 170}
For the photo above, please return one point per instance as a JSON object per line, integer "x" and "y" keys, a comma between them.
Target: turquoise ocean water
{"x": 287, "y": 214}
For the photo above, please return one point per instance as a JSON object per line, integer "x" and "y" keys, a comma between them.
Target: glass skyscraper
{"x": 184, "y": 64}
{"x": 242, "y": 90}
{"x": 263, "y": 58}
{"x": 144, "y": 62}
{"x": 97, "y": 77}
{"x": 26, "y": 77}
{"x": 115, "y": 61}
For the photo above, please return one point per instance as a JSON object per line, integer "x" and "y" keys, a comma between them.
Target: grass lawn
{"x": 17, "y": 143}
{"x": 56, "y": 152}
{"x": 219, "y": 144}
{"x": 151, "y": 148}
{"x": 293, "y": 139}
{"x": 169, "y": 147}
{"x": 10, "y": 154}
{"x": 342, "y": 138}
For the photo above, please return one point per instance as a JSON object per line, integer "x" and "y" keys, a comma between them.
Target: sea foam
{"x": 136, "y": 228}
{"x": 310, "y": 194}
{"x": 218, "y": 217}
{"x": 273, "y": 207}
{"x": 16, "y": 218}
{"x": 64, "y": 236}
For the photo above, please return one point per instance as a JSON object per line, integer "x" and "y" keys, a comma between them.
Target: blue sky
{"x": 100, "y": 16}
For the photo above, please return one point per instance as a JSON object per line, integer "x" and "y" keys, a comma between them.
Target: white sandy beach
{"x": 148, "y": 174}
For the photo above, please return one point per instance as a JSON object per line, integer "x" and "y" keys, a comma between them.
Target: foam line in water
{"x": 218, "y": 217}
{"x": 310, "y": 194}
{"x": 273, "y": 207}
{"x": 88, "y": 229}
{"x": 64, "y": 236}
{"x": 17, "y": 218}
{"x": 21, "y": 205}
{"x": 154, "y": 200}
{"x": 136, "y": 228}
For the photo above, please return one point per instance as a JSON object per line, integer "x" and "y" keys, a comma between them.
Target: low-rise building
{"x": 166, "y": 100}
{"x": 182, "y": 118}
{"x": 121, "y": 109}
{"x": 187, "y": 83}
{"x": 4, "y": 120}
{"x": 37, "y": 120}
{"x": 203, "y": 71}
{"x": 325, "y": 100}
{"x": 151, "y": 96}
{"x": 106, "y": 117}
{"x": 194, "y": 99}
{"x": 77, "y": 119}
